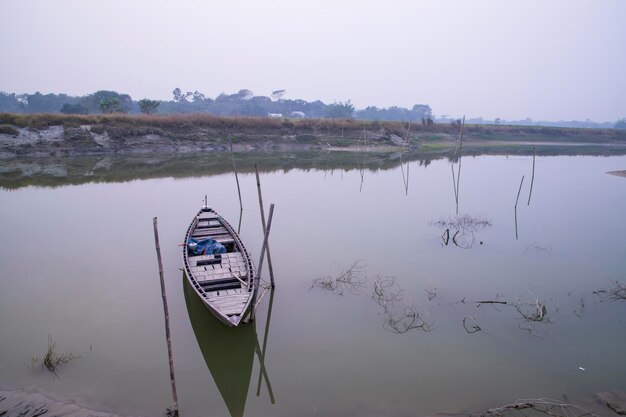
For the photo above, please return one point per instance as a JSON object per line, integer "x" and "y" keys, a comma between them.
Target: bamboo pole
{"x": 516, "y": 200}
{"x": 263, "y": 370}
{"x": 173, "y": 411}
{"x": 532, "y": 179}
{"x": 258, "y": 272}
{"x": 232, "y": 154}
{"x": 269, "y": 258}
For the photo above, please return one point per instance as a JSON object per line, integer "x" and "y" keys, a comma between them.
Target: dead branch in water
{"x": 405, "y": 319}
{"x": 52, "y": 359}
{"x": 399, "y": 317}
{"x": 470, "y": 325}
{"x": 465, "y": 227}
{"x": 386, "y": 290}
{"x": 545, "y": 406}
{"x": 532, "y": 311}
{"x": 615, "y": 293}
{"x": 348, "y": 280}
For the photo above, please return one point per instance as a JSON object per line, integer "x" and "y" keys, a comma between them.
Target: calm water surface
{"x": 78, "y": 263}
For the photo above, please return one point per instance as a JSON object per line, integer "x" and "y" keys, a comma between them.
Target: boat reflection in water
{"x": 228, "y": 352}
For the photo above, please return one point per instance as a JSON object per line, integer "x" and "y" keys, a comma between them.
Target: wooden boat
{"x": 223, "y": 281}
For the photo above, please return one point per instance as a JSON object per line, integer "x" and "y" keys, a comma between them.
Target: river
{"x": 452, "y": 298}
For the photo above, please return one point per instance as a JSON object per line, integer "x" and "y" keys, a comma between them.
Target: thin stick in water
{"x": 519, "y": 190}
{"x": 258, "y": 273}
{"x": 174, "y": 410}
{"x": 532, "y": 179}
{"x": 516, "y": 200}
{"x": 236, "y": 176}
{"x": 269, "y": 258}
{"x": 263, "y": 370}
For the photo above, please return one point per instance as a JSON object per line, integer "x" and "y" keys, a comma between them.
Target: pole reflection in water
{"x": 228, "y": 352}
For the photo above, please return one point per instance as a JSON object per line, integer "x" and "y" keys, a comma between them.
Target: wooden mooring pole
{"x": 260, "y": 265}
{"x": 232, "y": 154}
{"x": 516, "y": 200}
{"x": 269, "y": 258}
{"x": 532, "y": 179}
{"x": 173, "y": 411}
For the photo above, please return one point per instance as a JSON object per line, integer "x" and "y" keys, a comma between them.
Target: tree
{"x": 197, "y": 96}
{"x": 46, "y": 103}
{"x": 278, "y": 94}
{"x": 340, "y": 110}
{"x": 179, "y": 96}
{"x": 148, "y": 106}
{"x": 93, "y": 102}
{"x": 10, "y": 103}
{"x": 77, "y": 108}
{"x": 621, "y": 123}
{"x": 243, "y": 94}
{"x": 110, "y": 105}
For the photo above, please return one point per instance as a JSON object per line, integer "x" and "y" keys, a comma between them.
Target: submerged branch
{"x": 399, "y": 316}
{"x": 348, "y": 280}
{"x": 544, "y": 406}
{"x": 617, "y": 292}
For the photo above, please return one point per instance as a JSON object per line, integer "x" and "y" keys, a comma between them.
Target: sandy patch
{"x": 618, "y": 173}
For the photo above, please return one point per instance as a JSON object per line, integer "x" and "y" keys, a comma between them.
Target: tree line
{"x": 241, "y": 103}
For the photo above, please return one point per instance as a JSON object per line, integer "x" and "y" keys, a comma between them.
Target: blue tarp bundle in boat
{"x": 205, "y": 247}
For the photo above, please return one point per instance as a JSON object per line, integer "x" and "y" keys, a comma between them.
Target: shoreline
{"x": 57, "y": 135}
{"x": 32, "y": 403}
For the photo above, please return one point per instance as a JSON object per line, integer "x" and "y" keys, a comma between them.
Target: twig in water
{"x": 535, "y": 311}
{"x": 399, "y": 317}
{"x": 545, "y": 406}
{"x": 470, "y": 325}
{"x": 465, "y": 227}
{"x": 405, "y": 319}
{"x": 615, "y": 293}
{"x": 347, "y": 280}
{"x": 386, "y": 290}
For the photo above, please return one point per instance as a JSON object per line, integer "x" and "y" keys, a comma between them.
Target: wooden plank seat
{"x": 210, "y": 232}
{"x": 207, "y": 224}
{"x": 207, "y": 215}
{"x": 220, "y": 284}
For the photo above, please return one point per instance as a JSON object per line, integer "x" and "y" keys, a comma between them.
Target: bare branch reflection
{"x": 348, "y": 279}
{"x": 533, "y": 407}
{"x": 470, "y": 325}
{"x": 399, "y": 316}
{"x": 461, "y": 230}
{"x": 617, "y": 292}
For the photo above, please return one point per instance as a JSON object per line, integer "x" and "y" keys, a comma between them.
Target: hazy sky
{"x": 548, "y": 60}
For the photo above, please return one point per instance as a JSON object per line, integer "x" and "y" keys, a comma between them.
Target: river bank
{"x": 20, "y": 403}
{"x": 56, "y": 135}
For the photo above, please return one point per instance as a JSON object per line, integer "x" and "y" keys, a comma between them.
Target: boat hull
{"x": 218, "y": 267}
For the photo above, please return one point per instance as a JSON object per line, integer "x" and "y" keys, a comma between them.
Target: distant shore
{"x": 58, "y": 135}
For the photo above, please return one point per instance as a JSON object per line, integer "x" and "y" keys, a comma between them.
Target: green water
{"x": 77, "y": 262}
